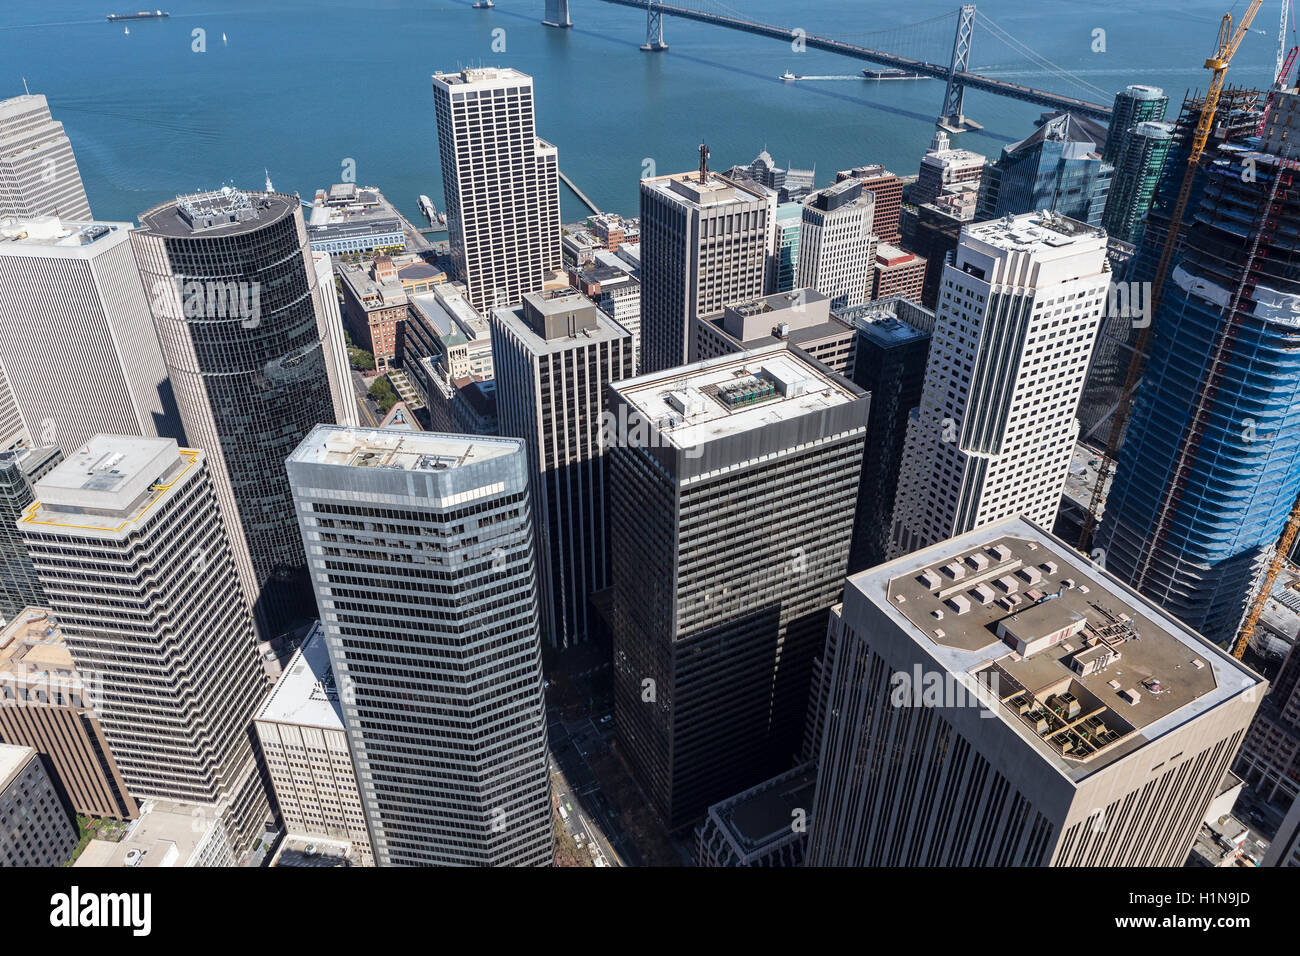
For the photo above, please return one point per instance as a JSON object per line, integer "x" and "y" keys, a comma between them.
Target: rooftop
{"x": 731, "y": 394}
{"x": 306, "y": 694}
{"x": 166, "y": 834}
{"x": 110, "y": 483}
{"x": 1034, "y": 231}
{"x": 483, "y": 76}
{"x": 762, "y": 815}
{"x": 687, "y": 188}
{"x": 34, "y": 659}
{"x": 12, "y": 759}
{"x": 397, "y": 450}
{"x": 1085, "y": 669}
{"x": 50, "y": 234}
{"x": 217, "y": 214}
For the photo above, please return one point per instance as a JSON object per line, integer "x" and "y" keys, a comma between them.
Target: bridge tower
{"x": 654, "y": 28}
{"x": 557, "y": 14}
{"x": 951, "y": 118}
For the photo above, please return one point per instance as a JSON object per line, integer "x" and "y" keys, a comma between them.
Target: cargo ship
{"x": 895, "y": 75}
{"x": 142, "y": 15}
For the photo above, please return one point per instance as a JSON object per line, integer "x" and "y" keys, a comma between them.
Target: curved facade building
{"x": 1228, "y": 501}
{"x": 244, "y": 332}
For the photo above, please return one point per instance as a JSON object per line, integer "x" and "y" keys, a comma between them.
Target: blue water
{"x": 300, "y": 88}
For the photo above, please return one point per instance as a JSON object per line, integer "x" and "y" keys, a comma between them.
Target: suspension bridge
{"x": 955, "y": 31}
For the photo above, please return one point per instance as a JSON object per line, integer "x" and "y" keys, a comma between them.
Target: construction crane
{"x": 1285, "y": 60}
{"x": 1225, "y": 49}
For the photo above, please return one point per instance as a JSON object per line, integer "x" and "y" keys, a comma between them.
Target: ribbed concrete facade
{"x": 551, "y": 392}
{"x": 836, "y": 246}
{"x": 703, "y": 246}
{"x": 501, "y": 183}
{"x": 242, "y": 320}
{"x": 38, "y": 172}
{"x": 131, "y": 549}
{"x": 77, "y": 342}
{"x": 730, "y": 524}
{"x": 421, "y": 550}
{"x": 993, "y": 437}
{"x": 927, "y": 760}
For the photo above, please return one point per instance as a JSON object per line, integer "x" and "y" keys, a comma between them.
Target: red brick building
{"x": 897, "y": 272}
{"x": 888, "y": 192}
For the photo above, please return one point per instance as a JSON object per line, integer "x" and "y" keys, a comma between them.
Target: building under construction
{"x": 1236, "y": 119}
{"x": 1210, "y": 466}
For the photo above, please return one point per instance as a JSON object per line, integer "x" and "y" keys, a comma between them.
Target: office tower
{"x": 1206, "y": 477}
{"x": 943, "y": 169}
{"x": 897, "y": 273}
{"x": 248, "y": 342}
{"x": 13, "y": 433}
{"x": 995, "y": 430}
{"x": 300, "y": 729}
{"x": 1137, "y": 175}
{"x": 732, "y": 488}
{"x": 421, "y": 548}
{"x": 891, "y": 343}
{"x": 1057, "y": 168}
{"x": 1134, "y": 105}
{"x": 35, "y": 829}
{"x": 19, "y": 585}
{"x": 802, "y": 318}
{"x": 886, "y": 190}
{"x": 555, "y": 356}
{"x": 1269, "y": 761}
{"x": 38, "y": 173}
{"x": 45, "y": 703}
{"x": 617, "y": 293}
{"x": 836, "y": 245}
{"x": 77, "y": 343}
{"x": 1285, "y": 848}
{"x": 767, "y": 825}
{"x": 704, "y": 244}
{"x": 342, "y": 397}
{"x": 998, "y": 700}
{"x": 789, "y": 222}
{"x": 175, "y": 665}
{"x": 500, "y": 184}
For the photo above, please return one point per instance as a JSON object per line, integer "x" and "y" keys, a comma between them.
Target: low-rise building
{"x": 613, "y": 230}
{"x": 897, "y": 272}
{"x": 350, "y": 218}
{"x": 375, "y": 307}
{"x": 448, "y": 358}
{"x": 166, "y": 834}
{"x": 802, "y": 317}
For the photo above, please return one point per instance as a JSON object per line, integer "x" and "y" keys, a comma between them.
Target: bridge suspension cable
{"x": 1043, "y": 62}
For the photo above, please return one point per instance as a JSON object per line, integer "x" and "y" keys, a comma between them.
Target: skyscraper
{"x": 38, "y": 172}
{"x": 1210, "y": 466}
{"x": 421, "y": 550}
{"x": 732, "y": 488}
{"x": 836, "y": 247}
{"x": 1134, "y": 105}
{"x": 35, "y": 828}
{"x": 886, "y": 191}
{"x": 996, "y": 700}
{"x": 1057, "y": 168}
{"x": 789, "y": 222}
{"x": 704, "y": 244}
{"x": 554, "y": 358}
{"x": 77, "y": 342}
{"x": 995, "y": 430}
{"x": 249, "y": 345}
{"x": 128, "y": 540}
{"x": 1137, "y": 175}
{"x": 943, "y": 169}
{"x": 19, "y": 585}
{"x": 500, "y": 183}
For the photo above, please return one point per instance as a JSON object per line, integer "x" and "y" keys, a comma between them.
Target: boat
{"x": 126, "y": 31}
{"x": 895, "y": 75}
{"x": 787, "y": 76}
{"x": 483, "y": 4}
{"x": 142, "y": 15}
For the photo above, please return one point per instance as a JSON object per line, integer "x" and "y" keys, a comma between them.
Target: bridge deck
{"x": 973, "y": 81}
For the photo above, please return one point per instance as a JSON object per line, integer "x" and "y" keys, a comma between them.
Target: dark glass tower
{"x": 241, "y": 322}
{"x": 19, "y": 585}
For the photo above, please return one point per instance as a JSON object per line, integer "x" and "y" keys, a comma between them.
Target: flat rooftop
{"x": 306, "y": 694}
{"x": 1033, "y": 230}
{"x": 50, "y": 234}
{"x": 398, "y": 451}
{"x": 166, "y": 834}
{"x": 762, "y": 815}
{"x": 12, "y": 759}
{"x": 33, "y": 654}
{"x": 110, "y": 483}
{"x": 217, "y": 214}
{"x": 732, "y": 394}
{"x": 687, "y": 188}
{"x": 1085, "y": 668}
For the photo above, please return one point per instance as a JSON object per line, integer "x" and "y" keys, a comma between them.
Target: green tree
{"x": 383, "y": 393}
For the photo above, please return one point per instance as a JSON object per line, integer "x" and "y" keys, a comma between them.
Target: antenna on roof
{"x": 704, "y": 164}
